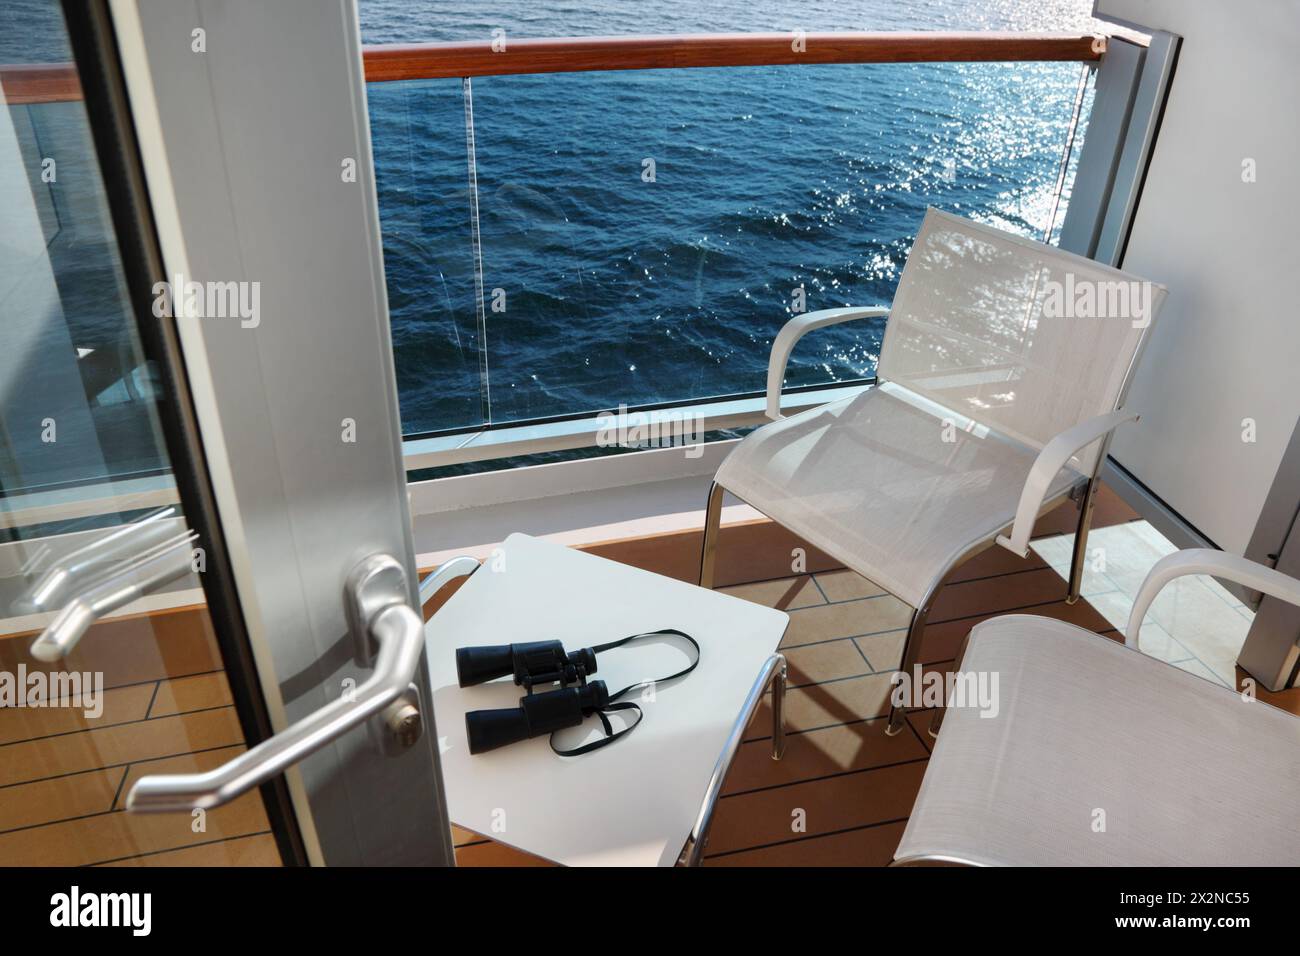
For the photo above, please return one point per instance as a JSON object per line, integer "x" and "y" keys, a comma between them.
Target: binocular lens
{"x": 537, "y": 714}
{"x": 490, "y": 729}
{"x": 478, "y": 665}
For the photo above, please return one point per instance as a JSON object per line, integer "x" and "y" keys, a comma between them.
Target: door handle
{"x": 151, "y": 569}
{"x": 379, "y": 612}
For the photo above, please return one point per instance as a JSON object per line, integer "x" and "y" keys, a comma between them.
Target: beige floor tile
{"x": 836, "y": 702}
{"x": 820, "y": 753}
{"x": 1199, "y": 619}
{"x": 46, "y": 801}
{"x": 120, "y": 705}
{"x": 1155, "y": 640}
{"x": 1197, "y": 667}
{"x": 1192, "y": 617}
{"x": 834, "y": 621}
{"x": 847, "y": 586}
{"x": 815, "y": 663}
{"x": 112, "y": 836}
{"x": 200, "y": 692}
{"x": 883, "y": 651}
{"x": 1058, "y": 552}
{"x": 117, "y": 745}
{"x": 180, "y": 763}
{"x": 788, "y": 594}
{"x": 1223, "y": 666}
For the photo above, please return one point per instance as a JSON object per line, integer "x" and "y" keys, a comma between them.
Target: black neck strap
{"x": 615, "y": 702}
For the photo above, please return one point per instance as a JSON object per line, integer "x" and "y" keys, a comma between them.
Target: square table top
{"x": 632, "y": 803}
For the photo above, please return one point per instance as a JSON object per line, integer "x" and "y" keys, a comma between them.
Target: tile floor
{"x": 1195, "y": 623}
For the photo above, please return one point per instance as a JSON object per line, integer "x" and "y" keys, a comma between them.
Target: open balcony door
{"x": 253, "y": 137}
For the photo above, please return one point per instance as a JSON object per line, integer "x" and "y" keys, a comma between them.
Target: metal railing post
{"x": 476, "y": 249}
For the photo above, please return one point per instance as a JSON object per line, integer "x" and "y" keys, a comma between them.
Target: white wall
{"x": 1227, "y": 346}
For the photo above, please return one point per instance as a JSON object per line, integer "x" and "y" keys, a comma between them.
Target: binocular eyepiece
{"x": 537, "y": 714}
{"x": 531, "y": 663}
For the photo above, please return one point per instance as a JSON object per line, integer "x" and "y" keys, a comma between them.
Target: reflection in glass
{"x": 77, "y": 398}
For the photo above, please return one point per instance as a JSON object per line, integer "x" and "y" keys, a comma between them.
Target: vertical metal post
{"x": 476, "y": 250}
{"x": 778, "y": 709}
{"x": 1080, "y": 553}
{"x": 1069, "y": 149}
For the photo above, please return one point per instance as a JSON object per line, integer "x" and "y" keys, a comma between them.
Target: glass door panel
{"x": 86, "y": 489}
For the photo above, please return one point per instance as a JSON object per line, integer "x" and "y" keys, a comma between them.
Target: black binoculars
{"x": 532, "y": 664}
{"x": 537, "y": 714}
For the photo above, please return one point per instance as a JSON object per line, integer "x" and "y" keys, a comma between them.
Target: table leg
{"x": 772, "y": 674}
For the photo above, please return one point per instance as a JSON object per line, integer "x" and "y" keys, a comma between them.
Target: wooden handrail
{"x": 427, "y": 61}
{"x": 578, "y": 54}
{"x": 43, "y": 83}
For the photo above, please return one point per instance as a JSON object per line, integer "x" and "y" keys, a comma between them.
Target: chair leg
{"x": 712, "y": 528}
{"x": 778, "y": 710}
{"x": 911, "y": 653}
{"x": 1081, "y": 542}
{"x": 937, "y": 720}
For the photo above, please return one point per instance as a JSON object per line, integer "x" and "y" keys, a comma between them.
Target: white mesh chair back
{"x": 1017, "y": 335}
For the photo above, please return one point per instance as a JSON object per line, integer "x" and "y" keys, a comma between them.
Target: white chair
{"x": 1099, "y": 755}
{"x": 1002, "y": 371}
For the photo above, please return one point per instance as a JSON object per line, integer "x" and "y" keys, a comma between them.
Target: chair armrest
{"x": 792, "y": 332}
{"x": 1046, "y": 466}
{"x": 1230, "y": 567}
{"x": 444, "y": 574}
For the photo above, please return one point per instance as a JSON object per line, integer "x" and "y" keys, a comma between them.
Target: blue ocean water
{"x": 767, "y": 180}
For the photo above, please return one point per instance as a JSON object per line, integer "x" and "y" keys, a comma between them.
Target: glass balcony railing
{"x": 561, "y": 243}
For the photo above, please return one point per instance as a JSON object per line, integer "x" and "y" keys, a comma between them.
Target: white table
{"x": 634, "y": 802}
